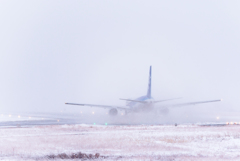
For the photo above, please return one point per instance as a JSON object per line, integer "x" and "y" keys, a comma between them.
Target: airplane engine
{"x": 165, "y": 111}
{"x": 113, "y": 112}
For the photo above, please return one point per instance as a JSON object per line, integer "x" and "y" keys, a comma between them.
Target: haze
{"x": 96, "y": 52}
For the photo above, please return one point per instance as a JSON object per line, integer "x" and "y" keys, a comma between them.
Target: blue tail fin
{"x": 149, "y": 83}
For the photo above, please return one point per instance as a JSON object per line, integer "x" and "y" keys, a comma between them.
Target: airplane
{"x": 144, "y": 103}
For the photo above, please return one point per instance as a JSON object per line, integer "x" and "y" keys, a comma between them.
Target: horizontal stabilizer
{"x": 166, "y": 100}
{"x": 132, "y": 100}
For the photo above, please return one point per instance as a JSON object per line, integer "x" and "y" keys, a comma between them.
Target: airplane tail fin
{"x": 149, "y": 83}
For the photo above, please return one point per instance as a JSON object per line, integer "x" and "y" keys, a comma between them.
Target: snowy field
{"x": 136, "y": 142}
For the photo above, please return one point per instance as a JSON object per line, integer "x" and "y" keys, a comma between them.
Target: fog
{"x": 96, "y": 52}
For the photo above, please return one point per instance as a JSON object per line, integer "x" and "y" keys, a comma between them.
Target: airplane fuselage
{"x": 141, "y": 107}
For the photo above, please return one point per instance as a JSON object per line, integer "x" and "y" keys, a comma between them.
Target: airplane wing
{"x": 191, "y": 103}
{"x": 101, "y": 106}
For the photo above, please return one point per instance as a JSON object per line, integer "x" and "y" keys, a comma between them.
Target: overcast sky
{"x": 96, "y": 52}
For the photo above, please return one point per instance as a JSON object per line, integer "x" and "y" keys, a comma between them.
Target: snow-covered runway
{"x": 138, "y": 142}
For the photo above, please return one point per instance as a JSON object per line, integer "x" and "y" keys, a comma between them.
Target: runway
{"x": 35, "y": 119}
{"x": 16, "y": 120}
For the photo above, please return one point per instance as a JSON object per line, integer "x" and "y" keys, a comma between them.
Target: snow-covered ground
{"x": 138, "y": 142}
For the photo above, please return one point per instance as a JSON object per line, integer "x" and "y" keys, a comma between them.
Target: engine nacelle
{"x": 113, "y": 112}
{"x": 164, "y": 111}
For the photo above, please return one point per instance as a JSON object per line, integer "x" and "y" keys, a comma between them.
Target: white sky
{"x": 96, "y": 52}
